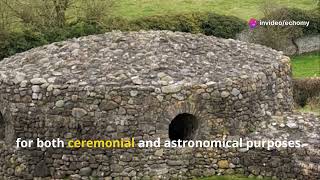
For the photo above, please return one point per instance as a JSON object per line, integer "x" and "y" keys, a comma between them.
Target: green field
{"x": 310, "y": 108}
{"x": 306, "y": 66}
{"x": 244, "y": 9}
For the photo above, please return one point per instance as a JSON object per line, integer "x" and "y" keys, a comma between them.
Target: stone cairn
{"x": 136, "y": 84}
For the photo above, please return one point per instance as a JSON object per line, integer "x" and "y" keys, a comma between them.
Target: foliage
{"x": 39, "y": 14}
{"x": 280, "y": 37}
{"x": 94, "y": 11}
{"x": 46, "y": 21}
{"x": 20, "y": 41}
{"x": 305, "y": 90}
{"x": 289, "y": 14}
{"x": 16, "y": 42}
{"x": 208, "y": 23}
{"x": 118, "y": 23}
{"x": 222, "y": 26}
{"x": 313, "y": 105}
{"x": 306, "y": 85}
{"x": 5, "y": 19}
{"x": 75, "y": 29}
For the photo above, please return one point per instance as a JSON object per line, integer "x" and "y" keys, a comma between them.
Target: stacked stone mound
{"x": 143, "y": 85}
{"x": 286, "y": 163}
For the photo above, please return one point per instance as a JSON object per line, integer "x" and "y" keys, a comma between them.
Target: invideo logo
{"x": 253, "y": 23}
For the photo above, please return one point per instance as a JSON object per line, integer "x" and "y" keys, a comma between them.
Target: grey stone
{"x": 133, "y": 93}
{"x": 35, "y": 88}
{"x": 85, "y": 171}
{"x": 175, "y": 162}
{"x": 56, "y": 92}
{"x": 308, "y": 43}
{"x": 223, "y": 164}
{"x": 23, "y": 83}
{"x": 159, "y": 152}
{"x": 19, "y": 170}
{"x": 108, "y": 105}
{"x": 171, "y": 88}
{"x": 78, "y": 112}
{"x": 225, "y": 94}
{"x": 51, "y": 79}
{"x": 19, "y": 77}
{"x": 136, "y": 80}
{"x": 235, "y": 92}
{"x": 110, "y": 129}
{"x": 291, "y": 124}
{"x": 60, "y": 103}
{"x": 41, "y": 170}
{"x": 38, "y": 81}
{"x": 280, "y": 96}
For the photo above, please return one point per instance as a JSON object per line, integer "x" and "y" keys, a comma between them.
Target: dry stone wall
{"x": 119, "y": 85}
{"x": 302, "y": 45}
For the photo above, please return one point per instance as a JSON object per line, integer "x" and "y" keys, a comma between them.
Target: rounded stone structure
{"x": 143, "y": 85}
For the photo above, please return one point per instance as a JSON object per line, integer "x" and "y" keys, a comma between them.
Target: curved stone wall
{"x": 121, "y": 85}
{"x": 302, "y": 45}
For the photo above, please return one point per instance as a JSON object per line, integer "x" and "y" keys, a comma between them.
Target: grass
{"x": 234, "y": 177}
{"x": 306, "y": 65}
{"x": 310, "y": 108}
{"x": 244, "y": 9}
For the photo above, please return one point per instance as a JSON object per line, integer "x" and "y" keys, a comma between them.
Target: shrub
{"x": 94, "y": 11}
{"x": 295, "y": 14}
{"x": 281, "y": 37}
{"x": 40, "y": 14}
{"x": 117, "y": 23}
{"x": 207, "y": 23}
{"x": 305, "y": 90}
{"x": 222, "y": 26}
{"x": 55, "y": 34}
{"x": 17, "y": 42}
{"x": 83, "y": 29}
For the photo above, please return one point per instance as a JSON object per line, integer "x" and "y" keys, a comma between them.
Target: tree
{"x": 39, "y": 13}
{"x": 6, "y": 20}
{"x": 95, "y": 11}
{"x": 277, "y": 37}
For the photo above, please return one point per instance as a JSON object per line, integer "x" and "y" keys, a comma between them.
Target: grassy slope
{"x": 306, "y": 66}
{"x": 241, "y": 8}
{"x": 310, "y": 108}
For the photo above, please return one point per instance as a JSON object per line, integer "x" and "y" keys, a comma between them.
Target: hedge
{"x": 207, "y": 23}
{"x": 305, "y": 89}
{"x": 15, "y": 42}
{"x": 289, "y": 14}
{"x": 222, "y": 26}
